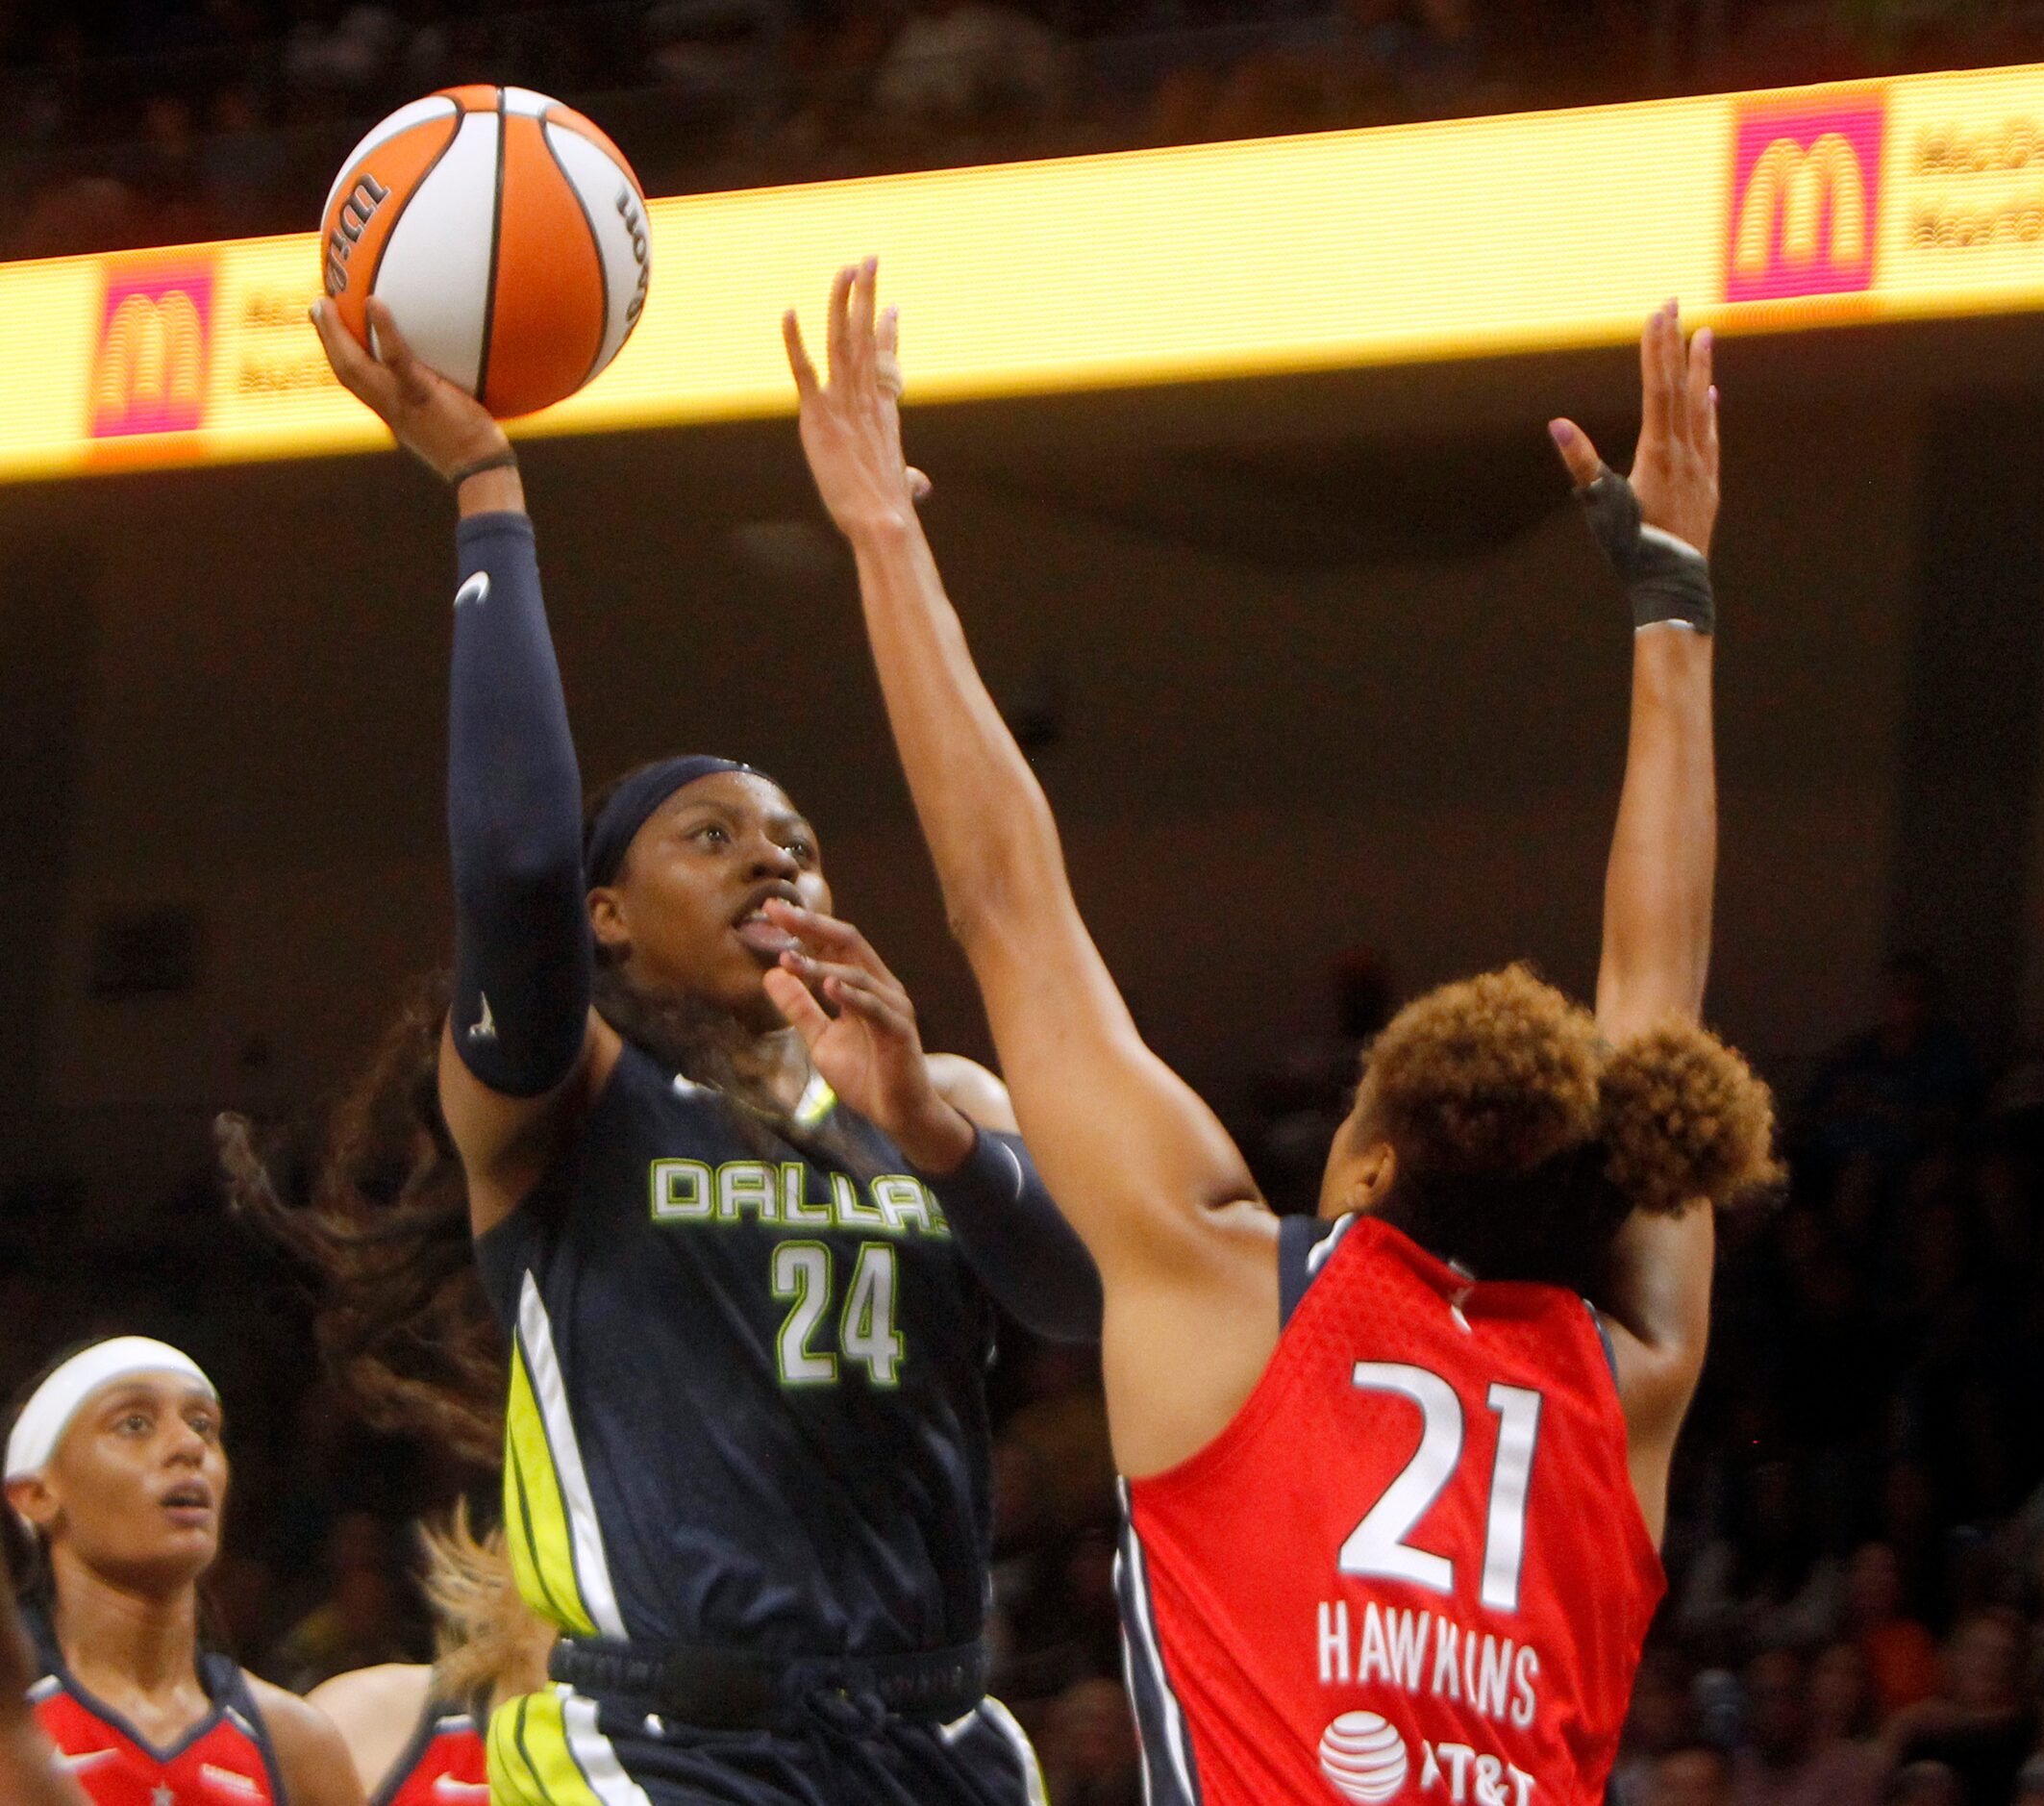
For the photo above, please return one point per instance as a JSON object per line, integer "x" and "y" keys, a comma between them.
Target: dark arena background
{"x": 1323, "y": 677}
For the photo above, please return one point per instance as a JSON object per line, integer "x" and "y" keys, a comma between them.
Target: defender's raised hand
{"x": 1675, "y": 465}
{"x": 851, "y": 425}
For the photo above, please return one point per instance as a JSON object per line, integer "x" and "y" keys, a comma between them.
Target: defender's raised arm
{"x": 1655, "y": 528}
{"x": 1132, "y": 1155}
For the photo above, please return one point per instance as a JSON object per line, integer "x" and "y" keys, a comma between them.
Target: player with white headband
{"x": 115, "y": 1481}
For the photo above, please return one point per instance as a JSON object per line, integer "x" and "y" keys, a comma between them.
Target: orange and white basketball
{"x": 505, "y": 232}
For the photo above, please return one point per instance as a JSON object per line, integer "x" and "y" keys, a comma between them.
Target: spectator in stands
{"x": 1088, "y": 1748}
{"x": 1914, "y": 1527}
{"x": 1841, "y": 1697}
{"x": 1693, "y": 1774}
{"x": 341, "y": 53}
{"x": 1926, "y": 1784}
{"x": 1786, "y": 1763}
{"x": 964, "y": 65}
{"x": 723, "y": 61}
{"x": 168, "y": 173}
{"x": 1768, "y": 1583}
{"x": 1909, "y": 1078}
{"x": 360, "y": 1622}
{"x": 83, "y": 213}
{"x": 1661, "y": 1718}
{"x": 1978, "y": 1725}
{"x": 1301, "y": 1100}
{"x": 1450, "y": 60}
{"x": 243, "y": 162}
{"x": 1900, "y": 1654}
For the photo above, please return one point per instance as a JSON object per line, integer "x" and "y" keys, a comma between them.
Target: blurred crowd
{"x": 1855, "y": 1543}
{"x": 139, "y": 122}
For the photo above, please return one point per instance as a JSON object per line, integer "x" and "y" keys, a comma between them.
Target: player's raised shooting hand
{"x": 870, "y": 1052}
{"x": 851, "y": 425}
{"x": 1675, "y": 467}
{"x": 444, "y": 427}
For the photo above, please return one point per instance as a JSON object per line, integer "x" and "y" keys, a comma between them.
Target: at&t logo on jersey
{"x": 1366, "y": 1760}
{"x": 1363, "y": 1757}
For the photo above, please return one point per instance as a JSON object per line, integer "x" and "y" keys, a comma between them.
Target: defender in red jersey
{"x": 1471, "y": 1635}
{"x": 116, "y": 1480}
{"x": 225, "y": 1757}
{"x": 416, "y": 1733}
{"x": 1393, "y": 1500}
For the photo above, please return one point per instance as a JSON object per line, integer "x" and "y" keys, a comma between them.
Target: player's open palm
{"x": 870, "y": 1052}
{"x": 443, "y": 425}
{"x": 1675, "y": 464}
{"x": 851, "y": 425}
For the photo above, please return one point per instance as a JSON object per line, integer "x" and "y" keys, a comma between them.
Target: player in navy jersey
{"x": 1393, "y": 1506}
{"x": 115, "y": 1481}
{"x": 745, "y": 1274}
{"x": 416, "y": 1732}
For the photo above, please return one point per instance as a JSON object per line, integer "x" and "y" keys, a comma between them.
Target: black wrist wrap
{"x": 1665, "y": 579}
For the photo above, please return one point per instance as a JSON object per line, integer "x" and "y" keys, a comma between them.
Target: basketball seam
{"x": 366, "y": 148}
{"x": 603, "y": 267}
{"x": 410, "y": 194}
{"x": 496, "y": 237}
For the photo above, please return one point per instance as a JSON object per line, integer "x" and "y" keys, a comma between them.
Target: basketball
{"x": 507, "y": 235}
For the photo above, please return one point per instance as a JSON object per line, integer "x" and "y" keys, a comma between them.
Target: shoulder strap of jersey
{"x": 1604, "y": 1335}
{"x": 1304, "y": 1245}
{"x": 384, "y": 1791}
{"x": 43, "y": 1641}
{"x": 227, "y": 1686}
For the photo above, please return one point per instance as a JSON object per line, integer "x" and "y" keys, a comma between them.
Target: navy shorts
{"x": 559, "y": 1748}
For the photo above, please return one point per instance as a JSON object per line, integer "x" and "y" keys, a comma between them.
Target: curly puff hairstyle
{"x": 1523, "y": 1140}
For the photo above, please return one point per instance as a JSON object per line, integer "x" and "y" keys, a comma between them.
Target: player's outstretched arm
{"x": 1134, "y": 1158}
{"x": 1659, "y": 887}
{"x": 523, "y": 1049}
{"x": 28, "y": 1766}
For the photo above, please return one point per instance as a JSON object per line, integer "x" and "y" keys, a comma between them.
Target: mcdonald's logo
{"x": 154, "y": 337}
{"x": 1806, "y": 192}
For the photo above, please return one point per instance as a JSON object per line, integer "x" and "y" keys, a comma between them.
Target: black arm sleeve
{"x": 523, "y": 957}
{"x": 1014, "y": 1237}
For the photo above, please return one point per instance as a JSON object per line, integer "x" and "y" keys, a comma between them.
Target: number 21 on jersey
{"x": 1376, "y": 1547}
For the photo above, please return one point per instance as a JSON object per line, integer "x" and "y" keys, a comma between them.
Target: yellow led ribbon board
{"x": 1917, "y": 197}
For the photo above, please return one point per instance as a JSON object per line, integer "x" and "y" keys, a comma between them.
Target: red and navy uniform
{"x": 1413, "y": 1568}
{"x": 224, "y": 1760}
{"x": 444, "y": 1764}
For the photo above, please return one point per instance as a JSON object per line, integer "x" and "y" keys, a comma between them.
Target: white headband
{"x": 53, "y": 1404}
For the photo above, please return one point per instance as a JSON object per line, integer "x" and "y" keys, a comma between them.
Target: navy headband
{"x": 634, "y": 800}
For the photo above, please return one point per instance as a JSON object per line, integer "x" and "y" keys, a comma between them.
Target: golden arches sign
{"x": 153, "y": 352}
{"x": 1793, "y": 184}
{"x": 1466, "y": 237}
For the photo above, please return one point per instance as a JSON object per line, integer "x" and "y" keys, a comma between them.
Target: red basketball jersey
{"x": 445, "y": 1764}
{"x": 1413, "y": 1568}
{"x": 224, "y": 1760}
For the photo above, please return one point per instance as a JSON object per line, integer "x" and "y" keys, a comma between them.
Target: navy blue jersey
{"x": 747, "y": 1404}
